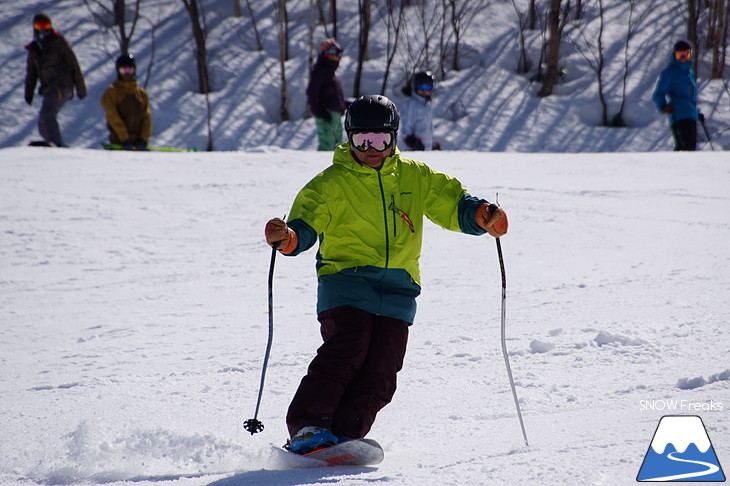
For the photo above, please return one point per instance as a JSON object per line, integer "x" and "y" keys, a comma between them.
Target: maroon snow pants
{"x": 353, "y": 375}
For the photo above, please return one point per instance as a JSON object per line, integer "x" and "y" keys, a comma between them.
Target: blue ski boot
{"x": 310, "y": 439}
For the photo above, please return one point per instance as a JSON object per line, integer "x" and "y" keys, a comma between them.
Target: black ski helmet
{"x": 40, "y": 34}
{"x": 682, "y": 45}
{"x": 126, "y": 60}
{"x": 422, "y": 78}
{"x": 373, "y": 113}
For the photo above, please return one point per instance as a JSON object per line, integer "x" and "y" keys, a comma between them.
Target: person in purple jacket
{"x": 325, "y": 97}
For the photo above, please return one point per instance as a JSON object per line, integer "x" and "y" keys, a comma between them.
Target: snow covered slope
{"x": 484, "y": 106}
{"x": 133, "y": 320}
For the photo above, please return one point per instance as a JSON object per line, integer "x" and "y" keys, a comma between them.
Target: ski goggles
{"x": 424, "y": 87}
{"x": 683, "y": 55}
{"x": 42, "y": 24}
{"x": 379, "y": 141}
{"x": 126, "y": 70}
{"x": 333, "y": 50}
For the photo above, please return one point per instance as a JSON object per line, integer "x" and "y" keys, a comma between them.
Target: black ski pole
{"x": 702, "y": 122}
{"x": 254, "y": 425}
{"x": 504, "y": 336}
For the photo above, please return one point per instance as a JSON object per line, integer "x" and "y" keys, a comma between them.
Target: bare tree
{"x": 523, "y": 63}
{"x": 259, "y": 44}
{"x": 393, "y": 18}
{"x": 197, "y": 22}
{"x": 463, "y": 12}
{"x": 693, "y": 16}
{"x": 118, "y": 11}
{"x": 718, "y": 19}
{"x": 362, "y": 47}
{"x": 282, "y": 31}
{"x": 333, "y": 17}
{"x": 236, "y": 8}
{"x": 635, "y": 21}
{"x": 553, "y": 54}
{"x": 532, "y": 15}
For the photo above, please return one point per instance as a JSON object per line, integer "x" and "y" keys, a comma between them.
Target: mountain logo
{"x": 681, "y": 451}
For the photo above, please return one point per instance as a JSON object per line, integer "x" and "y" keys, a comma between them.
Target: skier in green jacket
{"x": 366, "y": 210}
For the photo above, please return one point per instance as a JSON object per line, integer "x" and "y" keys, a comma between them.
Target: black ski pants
{"x": 353, "y": 375}
{"x": 685, "y": 134}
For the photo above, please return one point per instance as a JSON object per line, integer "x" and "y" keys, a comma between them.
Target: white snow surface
{"x": 134, "y": 319}
{"x": 133, "y": 302}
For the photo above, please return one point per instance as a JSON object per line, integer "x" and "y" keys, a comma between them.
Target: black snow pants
{"x": 353, "y": 375}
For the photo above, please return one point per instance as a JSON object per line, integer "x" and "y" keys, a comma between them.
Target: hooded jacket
{"x": 417, "y": 119}
{"x": 324, "y": 91}
{"x": 369, "y": 224}
{"x": 55, "y": 65}
{"x": 127, "y": 112}
{"x": 677, "y": 82}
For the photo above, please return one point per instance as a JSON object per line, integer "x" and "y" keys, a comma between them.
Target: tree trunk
{"x": 394, "y": 26}
{"x": 693, "y": 15}
{"x": 333, "y": 17}
{"x": 200, "y": 49}
{"x": 282, "y": 31}
{"x": 259, "y": 44}
{"x": 364, "y": 8}
{"x": 553, "y": 55}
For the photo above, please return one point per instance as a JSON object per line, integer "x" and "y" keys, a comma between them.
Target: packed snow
{"x": 133, "y": 296}
{"x": 135, "y": 319}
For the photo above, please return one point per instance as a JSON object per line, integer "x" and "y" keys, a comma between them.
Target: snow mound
{"x": 700, "y": 381}
{"x": 606, "y": 338}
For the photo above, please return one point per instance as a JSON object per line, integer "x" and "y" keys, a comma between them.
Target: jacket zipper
{"x": 393, "y": 208}
{"x": 385, "y": 220}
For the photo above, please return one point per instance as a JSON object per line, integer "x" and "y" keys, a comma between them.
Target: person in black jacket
{"x": 52, "y": 61}
{"x": 325, "y": 96}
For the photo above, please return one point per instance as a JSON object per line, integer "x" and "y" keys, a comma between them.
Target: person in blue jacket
{"x": 677, "y": 83}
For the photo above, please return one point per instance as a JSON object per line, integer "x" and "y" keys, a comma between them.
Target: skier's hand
{"x": 493, "y": 219}
{"x": 280, "y": 236}
{"x": 29, "y": 99}
{"x": 668, "y": 109}
{"x": 413, "y": 142}
{"x": 701, "y": 117}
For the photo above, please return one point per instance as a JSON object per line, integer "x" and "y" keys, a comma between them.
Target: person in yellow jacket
{"x": 366, "y": 211}
{"x": 127, "y": 108}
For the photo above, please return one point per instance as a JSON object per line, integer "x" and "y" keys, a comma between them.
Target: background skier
{"x": 52, "y": 61}
{"x": 325, "y": 96}
{"x": 677, "y": 82}
{"x": 127, "y": 108}
{"x": 417, "y": 123}
{"x": 366, "y": 210}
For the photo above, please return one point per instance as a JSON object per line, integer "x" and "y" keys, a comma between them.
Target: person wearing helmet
{"x": 325, "y": 96}
{"x": 677, "y": 82}
{"x": 52, "y": 62}
{"x": 366, "y": 211}
{"x": 127, "y": 107}
{"x": 417, "y": 114}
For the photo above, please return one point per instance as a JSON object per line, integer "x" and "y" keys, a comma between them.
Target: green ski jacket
{"x": 369, "y": 224}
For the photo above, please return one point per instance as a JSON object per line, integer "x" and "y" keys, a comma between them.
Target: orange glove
{"x": 280, "y": 236}
{"x": 668, "y": 109}
{"x": 493, "y": 219}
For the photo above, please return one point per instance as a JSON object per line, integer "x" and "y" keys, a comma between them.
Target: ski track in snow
{"x": 134, "y": 319}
